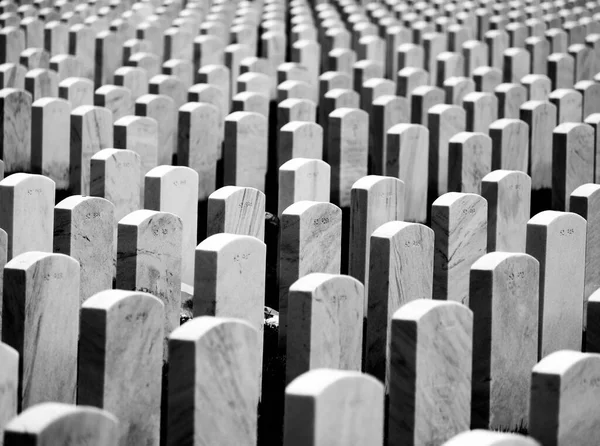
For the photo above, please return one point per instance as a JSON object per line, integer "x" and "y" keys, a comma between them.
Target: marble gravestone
{"x": 459, "y": 222}
{"x": 400, "y": 270}
{"x": 174, "y": 189}
{"x": 324, "y": 324}
{"x": 85, "y": 229}
{"x": 54, "y": 423}
{"x": 236, "y": 210}
{"x": 42, "y": 328}
{"x": 218, "y": 357}
{"x": 115, "y": 174}
{"x": 375, "y": 200}
{"x": 564, "y": 399}
{"x": 26, "y": 212}
{"x": 430, "y": 372}
{"x": 310, "y": 242}
{"x": 504, "y": 298}
{"x": 312, "y": 398}
{"x": 557, "y": 241}
{"x": 120, "y": 361}
{"x": 9, "y": 382}
{"x": 149, "y": 259}
{"x": 302, "y": 179}
{"x": 229, "y": 280}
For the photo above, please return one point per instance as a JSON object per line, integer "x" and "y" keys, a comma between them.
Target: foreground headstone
{"x": 324, "y": 324}
{"x": 120, "y": 361}
{"x": 430, "y": 372}
{"x": 149, "y": 259}
{"x": 236, "y": 210}
{"x": 311, "y": 237}
{"x": 565, "y": 399}
{"x": 584, "y": 202}
{"x": 508, "y": 194}
{"x": 9, "y": 381}
{"x": 504, "y": 298}
{"x": 557, "y": 241}
{"x": 44, "y": 329}
{"x": 400, "y": 270}
{"x": 481, "y": 437}
{"x": 26, "y": 212}
{"x": 459, "y": 222}
{"x": 313, "y": 397}
{"x": 85, "y": 229}
{"x": 218, "y": 357}
{"x": 61, "y": 424}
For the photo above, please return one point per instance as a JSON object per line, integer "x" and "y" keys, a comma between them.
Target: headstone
{"x": 84, "y": 228}
{"x": 489, "y": 438}
{"x": 77, "y": 90}
{"x": 386, "y": 111}
{"x": 459, "y": 221}
{"x": 504, "y": 298}
{"x": 174, "y": 189}
{"x": 469, "y": 160}
{"x": 569, "y": 105}
{"x": 236, "y": 210}
{"x": 303, "y": 179}
{"x": 91, "y": 131}
{"x": 351, "y": 395}
{"x": 508, "y": 194}
{"x": 245, "y": 154}
{"x": 55, "y": 423}
{"x": 16, "y": 128}
{"x": 299, "y": 139}
{"x": 198, "y": 143}
{"x": 572, "y": 161}
{"x": 26, "y": 212}
{"x": 584, "y": 202}
{"x": 149, "y": 248}
{"x": 162, "y": 109}
{"x": 230, "y": 280}
{"x": 541, "y": 118}
{"x": 120, "y": 361}
{"x": 51, "y": 117}
{"x": 400, "y": 270}
{"x": 445, "y": 122}
{"x": 347, "y": 151}
{"x": 310, "y": 242}
{"x": 564, "y": 399}
{"x": 115, "y": 175}
{"x": 482, "y": 111}
{"x": 42, "y": 328}
{"x": 217, "y": 357}
{"x": 116, "y": 99}
{"x": 375, "y": 200}
{"x": 430, "y": 372}
{"x": 510, "y": 144}
{"x": 510, "y": 98}
{"x": 557, "y": 241}
{"x": 325, "y": 318}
